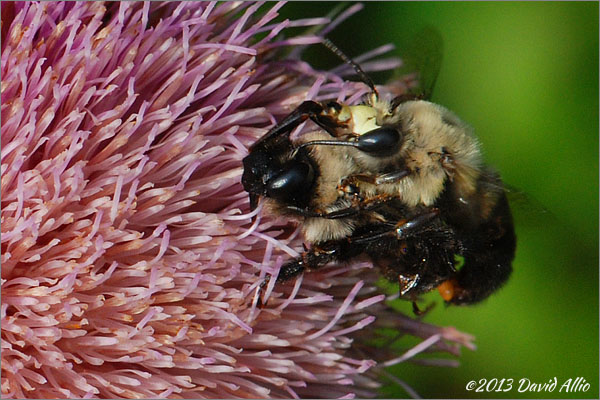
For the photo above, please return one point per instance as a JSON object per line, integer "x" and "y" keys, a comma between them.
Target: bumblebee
{"x": 400, "y": 182}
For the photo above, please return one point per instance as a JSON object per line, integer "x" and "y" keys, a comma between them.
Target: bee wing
{"x": 422, "y": 56}
{"x": 526, "y": 209}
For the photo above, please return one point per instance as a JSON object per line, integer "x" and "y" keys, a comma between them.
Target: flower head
{"x": 130, "y": 260}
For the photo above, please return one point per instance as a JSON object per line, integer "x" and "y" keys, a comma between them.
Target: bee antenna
{"x": 361, "y": 74}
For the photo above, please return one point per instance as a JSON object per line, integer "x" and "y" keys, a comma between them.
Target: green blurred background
{"x": 525, "y": 76}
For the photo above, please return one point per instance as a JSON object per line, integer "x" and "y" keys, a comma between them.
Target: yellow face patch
{"x": 364, "y": 119}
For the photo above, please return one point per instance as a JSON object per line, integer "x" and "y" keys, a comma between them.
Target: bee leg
{"x": 416, "y": 309}
{"x": 407, "y": 282}
{"x": 291, "y": 269}
{"x": 315, "y": 257}
{"x": 360, "y": 205}
{"x": 350, "y": 186}
{"x": 391, "y": 177}
{"x": 295, "y": 118}
{"x": 288, "y": 271}
{"x": 323, "y": 116}
{"x": 403, "y": 98}
{"x": 418, "y": 312}
{"x": 261, "y": 289}
{"x": 402, "y": 229}
{"x": 406, "y": 227}
{"x": 305, "y": 212}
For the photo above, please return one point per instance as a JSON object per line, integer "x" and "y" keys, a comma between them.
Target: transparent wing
{"x": 422, "y": 60}
{"x": 527, "y": 210}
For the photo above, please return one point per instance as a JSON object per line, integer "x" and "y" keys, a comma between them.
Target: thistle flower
{"x": 130, "y": 260}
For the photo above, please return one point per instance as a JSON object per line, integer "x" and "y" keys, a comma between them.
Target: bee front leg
{"x": 324, "y": 116}
{"x": 313, "y": 258}
{"x": 304, "y": 111}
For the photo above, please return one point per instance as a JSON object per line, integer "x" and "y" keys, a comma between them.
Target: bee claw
{"x": 418, "y": 312}
{"x": 261, "y": 288}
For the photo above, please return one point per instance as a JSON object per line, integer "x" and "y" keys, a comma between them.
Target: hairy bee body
{"x": 400, "y": 182}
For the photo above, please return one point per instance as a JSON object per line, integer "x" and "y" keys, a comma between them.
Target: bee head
{"x": 288, "y": 179}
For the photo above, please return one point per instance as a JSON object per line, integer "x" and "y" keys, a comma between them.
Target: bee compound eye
{"x": 258, "y": 169}
{"x": 380, "y": 142}
{"x": 292, "y": 183}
